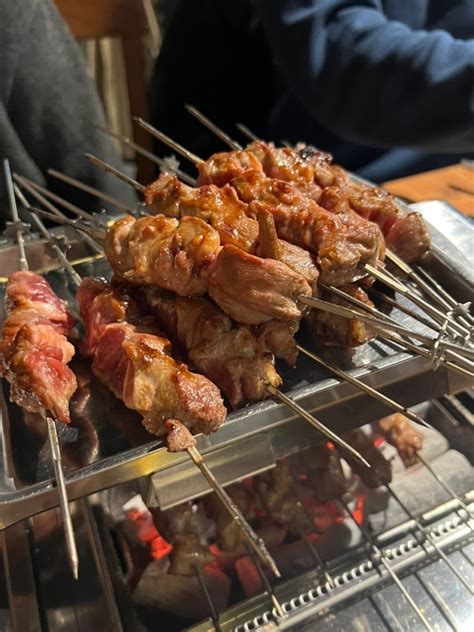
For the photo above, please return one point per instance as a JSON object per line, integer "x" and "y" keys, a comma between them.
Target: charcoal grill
{"x": 38, "y": 593}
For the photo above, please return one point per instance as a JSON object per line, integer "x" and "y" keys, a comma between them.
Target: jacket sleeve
{"x": 371, "y": 80}
{"x": 52, "y": 105}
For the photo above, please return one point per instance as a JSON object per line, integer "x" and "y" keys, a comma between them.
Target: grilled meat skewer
{"x": 228, "y": 354}
{"x": 34, "y": 353}
{"x": 339, "y": 244}
{"x": 34, "y": 350}
{"x": 186, "y": 257}
{"x": 136, "y": 365}
{"x": 314, "y": 176}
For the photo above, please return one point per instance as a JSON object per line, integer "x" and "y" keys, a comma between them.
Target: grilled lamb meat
{"x": 135, "y": 363}
{"x": 229, "y": 216}
{"x": 278, "y": 337}
{"x": 271, "y": 247}
{"x": 300, "y": 223}
{"x": 324, "y": 172}
{"x": 337, "y": 331}
{"x": 380, "y": 471}
{"x": 405, "y": 233}
{"x": 34, "y": 351}
{"x": 253, "y": 290}
{"x": 186, "y": 257}
{"x": 175, "y": 255}
{"x": 220, "y": 168}
{"x": 340, "y": 244}
{"x": 283, "y": 163}
{"x": 322, "y": 465}
{"x": 278, "y": 498}
{"x": 228, "y": 354}
{"x": 178, "y": 438}
{"x": 221, "y": 208}
{"x": 401, "y": 433}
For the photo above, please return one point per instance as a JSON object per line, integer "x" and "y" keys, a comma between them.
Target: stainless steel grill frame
{"x": 339, "y": 405}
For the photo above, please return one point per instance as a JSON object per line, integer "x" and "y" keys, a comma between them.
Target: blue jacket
{"x": 385, "y": 85}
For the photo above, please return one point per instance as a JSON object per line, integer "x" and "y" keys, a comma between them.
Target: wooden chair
{"x": 127, "y": 20}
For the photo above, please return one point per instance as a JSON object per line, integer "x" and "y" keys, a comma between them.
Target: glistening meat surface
{"x": 220, "y": 168}
{"x": 228, "y": 354}
{"x": 175, "y": 255}
{"x": 135, "y": 363}
{"x": 186, "y": 257}
{"x": 34, "y": 351}
{"x": 340, "y": 244}
{"x": 336, "y": 331}
{"x": 253, "y": 290}
{"x": 221, "y": 208}
{"x": 230, "y": 217}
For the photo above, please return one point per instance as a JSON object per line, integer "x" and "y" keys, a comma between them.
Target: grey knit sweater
{"x": 48, "y": 104}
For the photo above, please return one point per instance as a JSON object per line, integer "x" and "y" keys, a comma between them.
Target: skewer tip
{"x": 74, "y": 562}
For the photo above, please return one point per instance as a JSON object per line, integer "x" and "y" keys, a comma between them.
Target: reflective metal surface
{"x": 106, "y": 444}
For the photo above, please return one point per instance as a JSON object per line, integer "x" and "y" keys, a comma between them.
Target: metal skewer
{"x": 431, "y": 289}
{"x": 207, "y": 596}
{"x": 163, "y": 164}
{"x": 352, "y": 314}
{"x": 247, "y": 132}
{"x": 379, "y": 556}
{"x": 198, "y": 459}
{"x": 168, "y": 141}
{"x": 386, "y": 325}
{"x": 63, "y": 499}
{"x": 268, "y": 587}
{"x": 409, "y": 346}
{"x": 372, "y": 392}
{"x": 98, "y": 162}
{"x": 406, "y": 310}
{"x": 96, "y": 233}
{"x": 466, "y": 369}
{"x": 376, "y": 312}
{"x": 91, "y": 190}
{"x": 257, "y": 544}
{"x": 214, "y": 128}
{"x": 25, "y": 183}
{"x": 450, "y": 301}
{"x": 318, "y": 559}
{"x": 426, "y": 534}
{"x": 15, "y": 217}
{"x": 327, "y": 432}
{"x": 43, "y": 230}
{"x": 52, "y": 432}
{"x": 399, "y": 287}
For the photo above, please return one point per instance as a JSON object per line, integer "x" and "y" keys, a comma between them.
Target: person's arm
{"x": 51, "y": 103}
{"x": 371, "y": 80}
